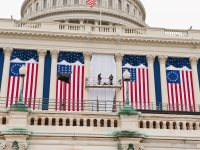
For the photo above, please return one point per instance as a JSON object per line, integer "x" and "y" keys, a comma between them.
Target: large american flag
{"x": 70, "y": 96}
{"x": 180, "y": 90}
{"x": 18, "y": 58}
{"x": 91, "y": 3}
{"x": 138, "y": 87}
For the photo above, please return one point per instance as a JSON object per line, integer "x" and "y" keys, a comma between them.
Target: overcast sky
{"x": 175, "y": 14}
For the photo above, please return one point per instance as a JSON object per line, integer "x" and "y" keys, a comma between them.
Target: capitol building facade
{"x": 79, "y": 78}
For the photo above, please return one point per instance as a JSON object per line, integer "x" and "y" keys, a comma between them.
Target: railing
{"x": 27, "y": 24}
{"x": 104, "y": 29}
{"x": 94, "y": 105}
{"x": 72, "y": 27}
{"x": 176, "y": 32}
{"x": 134, "y": 30}
{"x": 102, "y": 82}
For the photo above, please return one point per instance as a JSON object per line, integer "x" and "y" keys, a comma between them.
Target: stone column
{"x": 40, "y": 80}
{"x": 87, "y": 57}
{"x": 193, "y": 62}
{"x": 6, "y": 66}
{"x": 118, "y": 59}
{"x": 162, "y": 59}
{"x": 52, "y": 94}
{"x": 150, "y": 60}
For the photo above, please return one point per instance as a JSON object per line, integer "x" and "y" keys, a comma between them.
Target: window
{"x": 60, "y": 122}
{"x": 64, "y": 2}
{"x": 74, "y": 122}
{"x": 127, "y": 7}
{"x": 101, "y": 123}
{"x": 39, "y": 121}
{"x": 67, "y": 122}
{"x": 32, "y": 121}
{"x": 37, "y": 7}
{"x": 46, "y": 122}
{"x": 119, "y": 4}
{"x": 95, "y": 122}
{"x": 115, "y": 123}
{"x": 45, "y": 4}
{"x": 53, "y": 122}
{"x": 81, "y": 122}
{"x": 108, "y": 123}
{"x": 88, "y": 122}
{"x": 54, "y": 2}
{"x": 76, "y": 1}
{"x": 110, "y": 3}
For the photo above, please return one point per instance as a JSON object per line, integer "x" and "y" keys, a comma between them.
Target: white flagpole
{"x": 100, "y": 11}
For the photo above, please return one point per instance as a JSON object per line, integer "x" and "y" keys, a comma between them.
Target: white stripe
{"x": 182, "y": 92}
{"x": 170, "y": 95}
{"x": 190, "y": 87}
{"x": 146, "y": 88}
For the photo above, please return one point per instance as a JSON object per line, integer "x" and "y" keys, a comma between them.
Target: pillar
{"x": 52, "y": 94}
{"x": 40, "y": 80}
{"x": 150, "y": 60}
{"x": 162, "y": 60}
{"x": 118, "y": 59}
{"x": 6, "y": 66}
{"x": 87, "y": 57}
{"x": 193, "y": 62}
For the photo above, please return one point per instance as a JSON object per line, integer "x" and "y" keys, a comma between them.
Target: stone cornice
{"x": 100, "y": 38}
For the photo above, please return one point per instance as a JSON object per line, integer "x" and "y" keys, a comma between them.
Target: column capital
{"x": 162, "y": 59}
{"x": 54, "y": 53}
{"x": 119, "y": 57}
{"x": 193, "y": 60}
{"x": 150, "y": 58}
{"x": 41, "y": 53}
{"x": 87, "y": 55}
{"x": 7, "y": 51}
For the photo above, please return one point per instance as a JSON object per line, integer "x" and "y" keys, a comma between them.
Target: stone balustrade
{"x": 96, "y": 29}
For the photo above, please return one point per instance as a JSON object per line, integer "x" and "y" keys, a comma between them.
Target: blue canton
{"x": 64, "y": 68}
{"x": 71, "y": 57}
{"x": 173, "y": 76}
{"x": 14, "y": 69}
{"x": 132, "y": 71}
{"x": 178, "y": 62}
{"x": 25, "y": 55}
{"x": 134, "y": 60}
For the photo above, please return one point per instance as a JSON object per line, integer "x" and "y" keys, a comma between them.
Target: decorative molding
{"x": 193, "y": 60}
{"x": 119, "y": 57}
{"x": 87, "y": 55}
{"x": 162, "y": 59}
{"x": 54, "y": 54}
{"x": 150, "y": 58}
{"x": 7, "y": 51}
{"x": 42, "y": 53}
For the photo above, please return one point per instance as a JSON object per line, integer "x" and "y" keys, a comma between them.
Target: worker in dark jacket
{"x": 99, "y": 79}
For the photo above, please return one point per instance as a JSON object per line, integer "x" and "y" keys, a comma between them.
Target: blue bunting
{"x": 134, "y": 60}
{"x": 178, "y": 62}
{"x": 71, "y": 57}
{"x": 25, "y": 55}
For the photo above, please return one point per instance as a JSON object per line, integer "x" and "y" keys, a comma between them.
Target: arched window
{"x": 194, "y": 125}
{"x": 128, "y": 8}
{"x": 99, "y": 2}
{"x": 76, "y": 1}
{"x": 64, "y": 2}
{"x": 141, "y": 124}
{"x": 154, "y": 125}
{"x": 74, "y": 122}
{"x": 54, "y": 3}
{"x": 39, "y": 121}
{"x": 81, "y": 122}
{"x": 60, "y": 122}
{"x": 88, "y": 122}
{"x": 37, "y": 7}
{"x": 181, "y": 125}
{"x": 115, "y": 123}
{"x": 67, "y": 122}
{"x": 101, "y": 123}
{"x": 108, "y": 123}
{"x": 110, "y": 3}
{"x": 119, "y": 4}
{"x": 161, "y": 125}
{"x": 46, "y": 122}
{"x": 174, "y": 125}
{"x": 188, "y": 126}
{"x": 45, "y": 4}
{"x": 53, "y": 122}
{"x": 95, "y": 122}
{"x": 167, "y": 125}
{"x": 148, "y": 124}
{"x": 32, "y": 121}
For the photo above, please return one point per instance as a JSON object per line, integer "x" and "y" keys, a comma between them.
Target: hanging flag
{"x": 91, "y": 3}
{"x": 138, "y": 87}
{"x": 18, "y": 58}
{"x": 70, "y": 96}
{"x": 180, "y": 89}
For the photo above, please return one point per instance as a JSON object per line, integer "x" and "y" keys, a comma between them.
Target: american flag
{"x": 18, "y": 58}
{"x": 138, "y": 87}
{"x": 180, "y": 90}
{"x": 91, "y": 3}
{"x": 70, "y": 96}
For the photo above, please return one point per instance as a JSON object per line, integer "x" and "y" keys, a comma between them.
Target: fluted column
{"x": 150, "y": 60}
{"x": 6, "y": 66}
{"x": 162, "y": 60}
{"x": 118, "y": 59}
{"x": 87, "y": 58}
{"x": 40, "y": 80}
{"x": 52, "y": 94}
{"x": 193, "y": 62}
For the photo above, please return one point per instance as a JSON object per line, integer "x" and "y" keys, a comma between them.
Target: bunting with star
{"x": 30, "y": 59}
{"x": 69, "y": 97}
{"x": 180, "y": 85}
{"x": 138, "y": 83}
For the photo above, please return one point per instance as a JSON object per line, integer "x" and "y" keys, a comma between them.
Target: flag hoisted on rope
{"x": 91, "y": 3}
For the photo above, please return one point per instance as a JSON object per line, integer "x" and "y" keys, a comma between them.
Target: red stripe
{"x": 60, "y": 98}
{"x": 64, "y": 96}
{"x": 191, "y": 79}
{"x": 184, "y": 90}
{"x": 8, "y": 90}
{"x": 172, "y": 95}
{"x": 69, "y": 95}
{"x": 188, "y": 91}
{"x": 27, "y": 79}
{"x": 140, "y": 87}
{"x": 73, "y": 97}
{"x": 56, "y": 93}
{"x": 177, "y": 102}
{"x": 36, "y": 77}
{"x": 78, "y": 87}
{"x": 181, "y": 99}
{"x": 82, "y": 88}
{"x": 144, "y": 89}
